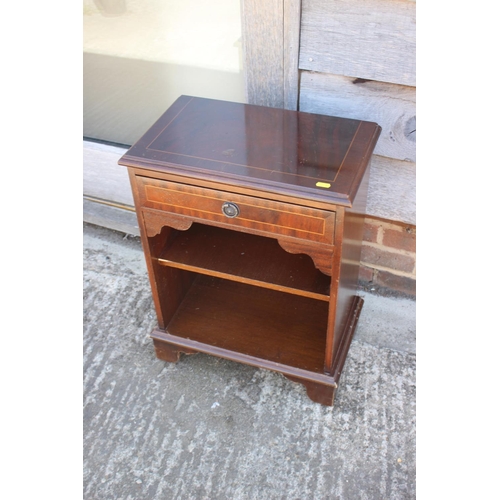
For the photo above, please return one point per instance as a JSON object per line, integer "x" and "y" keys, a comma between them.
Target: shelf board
{"x": 246, "y": 258}
{"x": 258, "y": 322}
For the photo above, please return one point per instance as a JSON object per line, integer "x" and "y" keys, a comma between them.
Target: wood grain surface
{"x": 262, "y": 35}
{"x": 256, "y": 215}
{"x": 315, "y": 157}
{"x": 262, "y": 323}
{"x": 393, "y": 107}
{"x": 291, "y": 43}
{"x": 371, "y": 39}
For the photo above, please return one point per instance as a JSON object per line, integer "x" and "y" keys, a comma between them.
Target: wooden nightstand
{"x": 251, "y": 221}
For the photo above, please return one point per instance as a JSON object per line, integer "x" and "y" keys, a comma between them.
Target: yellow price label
{"x": 323, "y": 184}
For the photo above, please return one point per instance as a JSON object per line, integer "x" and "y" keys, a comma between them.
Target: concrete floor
{"x": 206, "y": 428}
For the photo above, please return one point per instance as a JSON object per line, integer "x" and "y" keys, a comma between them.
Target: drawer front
{"x": 238, "y": 211}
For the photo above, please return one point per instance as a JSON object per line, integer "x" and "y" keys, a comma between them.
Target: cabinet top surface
{"x": 272, "y": 150}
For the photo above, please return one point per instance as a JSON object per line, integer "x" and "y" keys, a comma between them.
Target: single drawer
{"x": 227, "y": 209}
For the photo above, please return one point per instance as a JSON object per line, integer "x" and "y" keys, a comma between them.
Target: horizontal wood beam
{"x": 370, "y": 39}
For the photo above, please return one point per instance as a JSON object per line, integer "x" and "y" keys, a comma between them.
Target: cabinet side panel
{"x": 354, "y": 220}
{"x": 168, "y": 286}
{"x": 146, "y": 247}
{"x": 350, "y": 254}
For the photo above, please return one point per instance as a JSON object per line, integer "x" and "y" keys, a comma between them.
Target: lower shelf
{"x": 253, "y": 321}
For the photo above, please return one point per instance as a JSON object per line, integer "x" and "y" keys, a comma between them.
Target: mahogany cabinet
{"x": 251, "y": 221}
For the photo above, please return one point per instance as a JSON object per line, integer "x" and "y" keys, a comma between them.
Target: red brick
{"x": 401, "y": 284}
{"x": 378, "y": 256}
{"x": 370, "y": 232}
{"x": 365, "y": 274}
{"x": 402, "y": 239}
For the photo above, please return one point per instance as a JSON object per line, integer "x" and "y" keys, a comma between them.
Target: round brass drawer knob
{"x": 230, "y": 210}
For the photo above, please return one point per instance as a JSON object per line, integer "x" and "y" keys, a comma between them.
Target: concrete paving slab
{"x": 207, "y": 428}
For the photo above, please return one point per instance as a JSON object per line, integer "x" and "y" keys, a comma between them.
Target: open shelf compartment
{"x": 245, "y": 258}
{"x": 266, "y": 324}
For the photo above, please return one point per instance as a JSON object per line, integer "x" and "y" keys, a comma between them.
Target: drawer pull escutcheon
{"x": 230, "y": 210}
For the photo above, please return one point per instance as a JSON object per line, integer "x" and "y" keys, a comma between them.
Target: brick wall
{"x": 388, "y": 257}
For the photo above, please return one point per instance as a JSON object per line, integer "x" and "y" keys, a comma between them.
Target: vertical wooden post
{"x": 270, "y": 33}
{"x": 291, "y": 44}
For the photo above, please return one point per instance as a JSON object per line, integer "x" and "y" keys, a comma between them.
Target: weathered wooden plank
{"x": 103, "y": 178}
{"x": 391, "y": 106}
{"x": 262, "y": 36}
{"x": 371, "y": 39}
{"x": 392, "y": 190}
{"x": 292, "y": 15}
